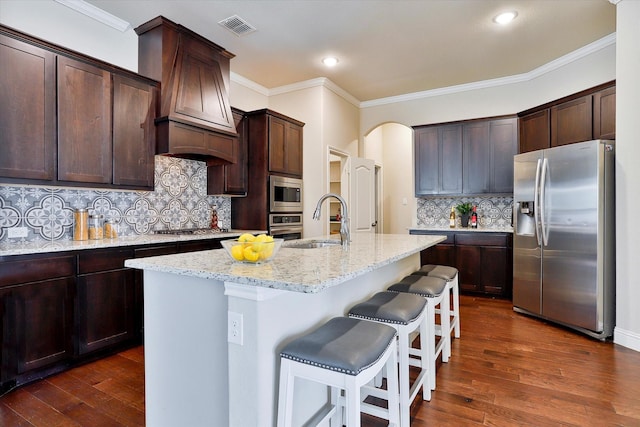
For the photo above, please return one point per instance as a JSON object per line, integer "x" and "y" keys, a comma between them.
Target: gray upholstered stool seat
{"x": 450, "y": 274}
{"x": 342, "y": 344}
{"x": 345, "y": 354}
{"x": 407, "y": 314}
{"x": 390, "y": 307}
{"x": 426, "y": 286}
{"x": 436, "y": 293}
{"x": 442, "y": 271}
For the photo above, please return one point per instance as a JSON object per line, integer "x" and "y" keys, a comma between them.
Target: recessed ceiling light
{"x": 330, "y": 61}
{"x": 505, "y": 18}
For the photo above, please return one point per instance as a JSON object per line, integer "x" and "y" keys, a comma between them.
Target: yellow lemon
{"x": 269, "y": 239}
{"x": 267, "y": 250}
{"x": 250, "y": 255}
{"x": 237, "y": 252}
{"x": 246, "y": 237}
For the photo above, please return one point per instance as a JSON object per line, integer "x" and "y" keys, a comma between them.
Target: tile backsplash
{"x": 179, "y": 200}
{"x": 494, "y": 212}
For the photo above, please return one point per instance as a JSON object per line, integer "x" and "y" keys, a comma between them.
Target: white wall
{"x": 61, "y": 25}
{"x": 391, "y": 145}
{"x": 627, "y": 330}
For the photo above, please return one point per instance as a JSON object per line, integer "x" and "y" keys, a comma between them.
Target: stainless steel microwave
{"x": 285, "y": 194}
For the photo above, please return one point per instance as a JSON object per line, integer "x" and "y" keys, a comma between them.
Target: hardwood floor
{"x": 506, "y": 370}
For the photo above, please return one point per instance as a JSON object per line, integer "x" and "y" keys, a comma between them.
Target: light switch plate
{"x": 17, "y": 232}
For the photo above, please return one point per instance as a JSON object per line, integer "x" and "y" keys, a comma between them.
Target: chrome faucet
{"x": 345, "y": 236}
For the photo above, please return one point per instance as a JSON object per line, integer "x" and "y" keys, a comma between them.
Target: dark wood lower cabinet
{"x": 483, "y": 260}
{"x": 60, "y": 309}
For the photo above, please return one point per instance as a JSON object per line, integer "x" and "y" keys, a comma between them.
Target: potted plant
{"x": 464, "y": 209}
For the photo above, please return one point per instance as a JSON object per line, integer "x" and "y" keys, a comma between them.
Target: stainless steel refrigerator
{"x": 564, "y": 236}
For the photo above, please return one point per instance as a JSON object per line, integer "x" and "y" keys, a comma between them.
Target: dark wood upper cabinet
{"x": 195, "y": 119}
{"x": 604, "y": 114}
{"x": 285, "y": 146}
{"x": 84, "y": 122}
{"x": 583, "y": 116}
{"x": 27, "y": 111}
{"x": 231, "y": 179}
{"x": 571, "y": 121}
{"x": 134, "y": 132}
{"x": 503, "y": 134}
{"x": 438, "y": 159}
{"x": 476, "y": 158}
{"x": 68, "y": 119}
{"x": 535, "y": 131}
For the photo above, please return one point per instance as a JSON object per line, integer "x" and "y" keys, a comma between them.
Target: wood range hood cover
{"x": 195, "y": 119}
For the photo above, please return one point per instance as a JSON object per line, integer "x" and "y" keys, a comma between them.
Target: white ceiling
{"x": 386, "y": 47}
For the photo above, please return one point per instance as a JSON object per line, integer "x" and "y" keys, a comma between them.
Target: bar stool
{"x": 450, "y": 274}
{"x": 406, "y": 313}
{"x": 344, "y": 353}
{"x": 434, "y": 290}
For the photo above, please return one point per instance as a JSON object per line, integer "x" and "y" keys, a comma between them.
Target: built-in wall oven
{"x": 286, "y": 226}
{"x": 285, "y": 194}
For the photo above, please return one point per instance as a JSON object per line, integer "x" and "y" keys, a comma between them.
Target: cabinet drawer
{"x": 199, "y": 245}
{"x": 102, "y": 260}
{"x": 33, "y": 268}
{"x": 482, "y": 239}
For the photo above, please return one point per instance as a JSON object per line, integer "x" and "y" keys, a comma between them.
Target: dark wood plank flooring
{"x": 506, "y": 370}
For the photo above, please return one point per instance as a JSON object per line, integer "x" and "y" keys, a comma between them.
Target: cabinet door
{"x": 134, "y": 132}
{"x": 105, "y": 309}
{"x": 440, "y": 254}
{"x": 27, "y": 111}
{"x": 293, "y": 150}
{"x": 476, "y": 158}
{"x": 426, "y": 160}
{"x": 232, "y": 179}
{"x": 535, "y": 131}
{"x": 450, "y": 170}
{"x": 39, "y": 316}
{"x": 504, "y": 145}
{"x": 604, "y": 114}
{"x": 495, "y": 267}
{"x": 469, "y": 264}
{"x": 572, "y": 121}
{"x": 277, "y": 144}
{"x": 84, "y": 122}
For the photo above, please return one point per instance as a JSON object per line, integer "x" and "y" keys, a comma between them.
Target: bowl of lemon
{"x": 250, "y": 249}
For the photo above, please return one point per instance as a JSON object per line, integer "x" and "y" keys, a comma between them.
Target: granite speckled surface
{"x": 25, "y": 248}
{"x": 300, "y": 270}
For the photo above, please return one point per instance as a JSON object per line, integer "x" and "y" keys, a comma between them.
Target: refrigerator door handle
{"x": 536, "y": 206}
{"x": 543, "y": 183}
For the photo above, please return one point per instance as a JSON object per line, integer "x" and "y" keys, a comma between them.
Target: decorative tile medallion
{"x": 179, "y": 200}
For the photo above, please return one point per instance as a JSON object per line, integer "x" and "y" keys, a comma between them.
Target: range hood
{"x": 195, "y": 120}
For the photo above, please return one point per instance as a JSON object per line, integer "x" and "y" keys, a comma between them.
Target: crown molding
{"x": 518, "y": 78}
{"x": 615, "y": 2}
{"x": 96, "y": 13}
{"x": 250, "y": 84}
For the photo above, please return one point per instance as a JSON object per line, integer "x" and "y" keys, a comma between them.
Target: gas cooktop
{"x": 192, "y": 231}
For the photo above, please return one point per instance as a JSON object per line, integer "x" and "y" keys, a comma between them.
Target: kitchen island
{"x": 198, "y": 375}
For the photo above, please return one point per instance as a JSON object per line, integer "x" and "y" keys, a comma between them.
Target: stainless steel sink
{"x": 310, "y": 244}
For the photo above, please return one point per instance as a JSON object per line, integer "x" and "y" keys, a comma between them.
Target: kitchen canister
{"x": 96, "y": 231}
{"x": 80, "y": 224}
{"x": 110, "y": 229}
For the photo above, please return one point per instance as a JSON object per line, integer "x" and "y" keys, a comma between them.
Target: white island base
{"x": 195, "y": 377}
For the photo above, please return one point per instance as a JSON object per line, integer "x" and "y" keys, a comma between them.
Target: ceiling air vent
{"x": 237, "y": 25}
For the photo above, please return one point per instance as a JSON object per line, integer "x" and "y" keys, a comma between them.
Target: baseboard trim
{"x": 626, "y": 338}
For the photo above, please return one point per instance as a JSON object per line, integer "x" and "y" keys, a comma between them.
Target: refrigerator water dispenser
{"x": 525, "y": 221}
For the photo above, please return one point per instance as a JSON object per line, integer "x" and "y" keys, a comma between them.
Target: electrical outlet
{"x": 17, "y": 232}
{"x": 234, "y": 327}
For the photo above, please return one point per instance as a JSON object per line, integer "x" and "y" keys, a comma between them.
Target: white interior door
{"x": 362, "y": 209}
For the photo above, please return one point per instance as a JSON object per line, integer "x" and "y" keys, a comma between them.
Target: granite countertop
{"x": 300, "y": 270}
{"x": 469, "y": 229}
{"x": 19, "y": 248}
